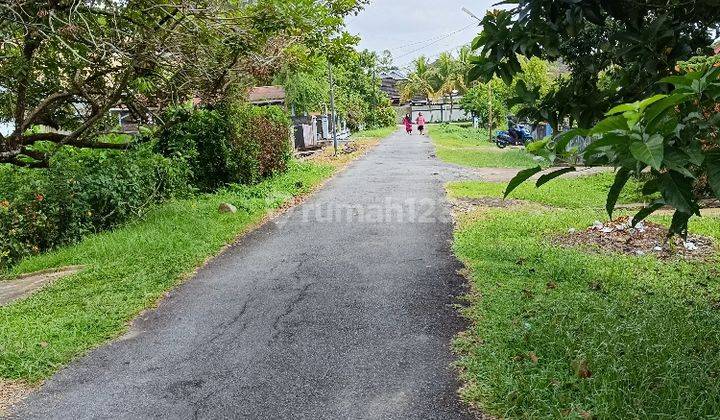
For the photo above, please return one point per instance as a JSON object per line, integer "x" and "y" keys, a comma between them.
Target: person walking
{"x": 407, "y": 121}
{"x": 421, "y": 123}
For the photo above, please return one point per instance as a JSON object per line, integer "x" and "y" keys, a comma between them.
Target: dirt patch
{"x": 506, "y": 174}
{"x": 26, "y": 284}
{"x": 647, "y": 238}
{"x": 12, "y": 392}
{"x": 466, "y": 205}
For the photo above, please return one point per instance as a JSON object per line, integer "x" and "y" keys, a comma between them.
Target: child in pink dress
{"x": 408, "y": 123}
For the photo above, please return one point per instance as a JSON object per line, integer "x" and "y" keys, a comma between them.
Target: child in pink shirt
{"x": 421, "y": 123}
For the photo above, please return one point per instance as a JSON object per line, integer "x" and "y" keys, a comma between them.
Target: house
{"x": 389, "y": 85}
{"x": 267, "y": 95}
{"x": 716, "y": 46}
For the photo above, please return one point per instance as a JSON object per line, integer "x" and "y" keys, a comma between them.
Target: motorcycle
{"x": 515, "y": 136}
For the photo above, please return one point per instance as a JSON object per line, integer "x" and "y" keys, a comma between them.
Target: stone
{"x": 227, "y": 208}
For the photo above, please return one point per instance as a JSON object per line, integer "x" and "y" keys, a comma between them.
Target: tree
{"x": 65, "y": 64}
{"x": 419, "y": 82}
{"x": 672, "y": 138}
{"x": 641, "y": 41}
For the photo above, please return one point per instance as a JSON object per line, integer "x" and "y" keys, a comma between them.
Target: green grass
{"x": 469, "y": 147}
{"x": 647, "y": 330}
{"x": 589, "y": 191}
{"x": 378, "y": 133}
{"x": 128, "y": 270}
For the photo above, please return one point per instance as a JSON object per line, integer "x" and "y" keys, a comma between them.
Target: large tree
{"x": 65, "y": 63}
{"x": 632, "y": 43}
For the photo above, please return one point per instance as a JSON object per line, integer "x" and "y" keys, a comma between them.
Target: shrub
{"x": 673, "y": 137}
{"x": 237, "y": 143}
{"x": 382, "y": 116}
{"x": 83, "y": 191}
{"x": 259, "y": 141}
{"x": 200, "y": 138}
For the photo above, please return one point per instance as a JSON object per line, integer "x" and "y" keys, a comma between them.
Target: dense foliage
{"x": 629, "y": 44}
{"x": 83, "y": 191}
{"x": 674, "y": 138}
{"x": 67, "y": 63}
{"x": 234, "y": 143}
{"x": 509, "y": 98}
{"x": 358, "y": 97}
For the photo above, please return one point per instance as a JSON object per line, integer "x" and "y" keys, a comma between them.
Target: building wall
{"x": 436, "y": 113}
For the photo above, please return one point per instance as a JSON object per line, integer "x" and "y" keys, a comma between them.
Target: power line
{"x": 435, "y": 39}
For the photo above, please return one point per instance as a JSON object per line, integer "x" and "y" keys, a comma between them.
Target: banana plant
{"x": 672, "y": 138}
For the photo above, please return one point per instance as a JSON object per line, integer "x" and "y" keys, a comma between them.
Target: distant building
{"x": 389, "y": 85}
{"x": 716, "y": 46}
{"x": 267, "y": 95}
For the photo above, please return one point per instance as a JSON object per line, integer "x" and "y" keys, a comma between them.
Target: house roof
{"x": 392, "y": 74}
{"x": 266, "y": 95}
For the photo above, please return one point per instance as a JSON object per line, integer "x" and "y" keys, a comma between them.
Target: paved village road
{"x": 340, "y": 308}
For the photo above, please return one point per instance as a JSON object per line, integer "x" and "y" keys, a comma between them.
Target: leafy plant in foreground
{"x": 673, "y": 138}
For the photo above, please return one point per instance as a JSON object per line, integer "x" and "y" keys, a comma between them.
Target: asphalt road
{"x": 340, "y": 308}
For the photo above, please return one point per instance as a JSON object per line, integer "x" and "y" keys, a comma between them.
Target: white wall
{"x": 440, "y": 113}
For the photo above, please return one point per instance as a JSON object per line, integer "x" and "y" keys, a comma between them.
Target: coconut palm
{"x": 419, "y": 82}
{"x": 450, "y": 77}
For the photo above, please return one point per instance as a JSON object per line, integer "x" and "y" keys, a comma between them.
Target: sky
{"x": 410, "y": 28}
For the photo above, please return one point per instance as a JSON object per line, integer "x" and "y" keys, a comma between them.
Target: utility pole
{"x": 490, "y": 111}
{"x": 332, "y": 107}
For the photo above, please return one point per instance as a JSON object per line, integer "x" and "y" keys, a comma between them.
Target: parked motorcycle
{"x": 515, "y": 136}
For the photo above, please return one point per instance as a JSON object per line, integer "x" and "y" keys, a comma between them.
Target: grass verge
{"x": 558, "y": 332}
{"x": 470, "y": 147}
{"x": 130, "y": 268}
{"x": 585, "y": 192}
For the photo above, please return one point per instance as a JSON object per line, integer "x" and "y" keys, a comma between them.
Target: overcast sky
{"x": 431, "y": 26}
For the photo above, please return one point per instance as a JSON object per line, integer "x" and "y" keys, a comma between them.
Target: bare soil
{"x": 12, "y": 392}
{"x": 647, "y": 238}
{"x": 25, "y": 285}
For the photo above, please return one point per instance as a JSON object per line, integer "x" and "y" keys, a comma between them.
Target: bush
{"x": 382, "y": 116}
{"x": 83, "y": 191}
{"x": 238, "y": 143}
{"x": 259, "y": 142}
{"x": 200, "y": 138}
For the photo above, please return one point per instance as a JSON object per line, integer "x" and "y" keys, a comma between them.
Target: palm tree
{"x": 419, "y": 82}
{"x": 450, "y": 77}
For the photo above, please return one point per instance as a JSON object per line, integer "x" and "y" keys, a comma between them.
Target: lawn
{"x": 130, "y": 268}
{"x": 470, "y": 147}
{"x": 557, "y": 332}
{"x": 562, "y": 192}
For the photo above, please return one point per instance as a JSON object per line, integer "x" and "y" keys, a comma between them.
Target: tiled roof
{"x": 266, "y": 94}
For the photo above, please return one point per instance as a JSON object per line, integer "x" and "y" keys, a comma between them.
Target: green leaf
{"x": 676, "y": 190}
{"x": 649, "y": 101}
{"x": 650, "y": 151}
{"x": 621, "y": 178}
{"x": 696, "y": 155}
{"x": 622, "y": 109}
{"x": 659, "y": 108}
{"x": 521, "y": 177}
{"x": 610, "y": 139}
{"x": 562, "y": 139}
{"x": 615, "y": 122}
{"x": 552, "y": 175}
{"x": 713, "y": 171}
{"x": 647, "y": 211}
